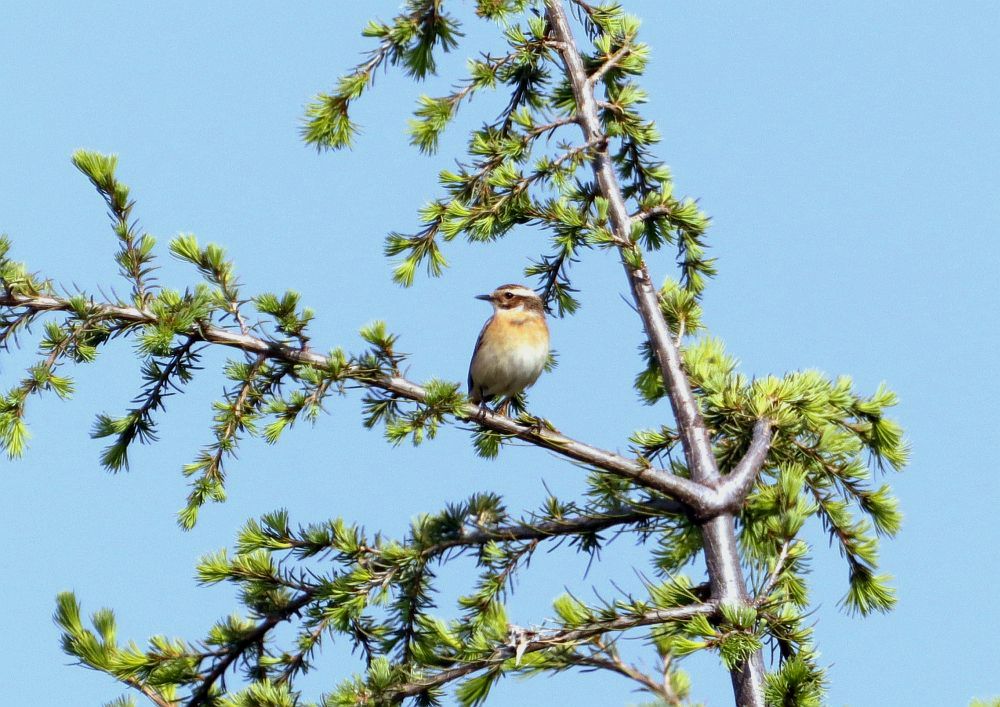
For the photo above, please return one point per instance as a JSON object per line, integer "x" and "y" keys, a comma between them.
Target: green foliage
{"x": 263, "y": 693}
{"x": 408, "y": 41}
{"x": 681, "y": 309}
{"x": 375, "y": 592}
{"x": 829, "y": 443}
{"x": 75, "y": 340}
{"x": 796, "y": 684}
{"x": 134, "y": 257}
{"x": 155, "y": 671}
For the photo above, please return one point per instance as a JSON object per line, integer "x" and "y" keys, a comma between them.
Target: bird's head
{"x": 514, "y": 297}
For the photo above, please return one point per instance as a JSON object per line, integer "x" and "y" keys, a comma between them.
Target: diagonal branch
{"x": 609, "y": 63}
{"x": 700, "y": 499}
{"x": 200, "y": 696}
{"x": 615, "y": 664}
{"x": 694, "y": 434}
{"x": 772, "y": 580}
{"x": 734, "y": 489}
{"x": 154, "y": 696}
{"x": 653, "y": 212}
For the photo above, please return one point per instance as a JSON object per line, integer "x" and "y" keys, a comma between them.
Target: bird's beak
{"x": 485, "y": 298}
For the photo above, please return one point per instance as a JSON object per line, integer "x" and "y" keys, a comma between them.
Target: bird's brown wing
{"x": 477, "y": 395}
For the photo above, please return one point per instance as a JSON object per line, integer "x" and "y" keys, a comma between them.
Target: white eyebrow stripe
{"x": 522, "y": 292}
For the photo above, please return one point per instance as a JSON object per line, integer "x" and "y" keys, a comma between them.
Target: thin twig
{"x": 779, "y": 566}
{"x": 552, "y": 639}
{"x": 616, "y": 665}
{"x": 610, "y": 63}
{"x": 201, "y": 694}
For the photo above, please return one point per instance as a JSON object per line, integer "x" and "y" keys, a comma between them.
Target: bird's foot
{"x": 537, "y": 424}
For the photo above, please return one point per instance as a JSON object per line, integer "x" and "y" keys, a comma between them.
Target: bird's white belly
{"x": 508, "y": 370}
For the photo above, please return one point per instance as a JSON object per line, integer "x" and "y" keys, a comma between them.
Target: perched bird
{"x": 512, "y": 347}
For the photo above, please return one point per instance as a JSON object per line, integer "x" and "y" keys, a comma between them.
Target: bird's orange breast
{"x": 517, "y": 329}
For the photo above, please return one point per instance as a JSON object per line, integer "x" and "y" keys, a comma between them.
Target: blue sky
{"x": 847, "y": 153}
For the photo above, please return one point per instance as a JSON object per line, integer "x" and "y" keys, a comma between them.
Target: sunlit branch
{"x": 772, "y": 580}
{"x": 699, "y": 498}
{"x": 653, "y": 212}
{"x": 155, "y": 697}
{"x": 718, "y": 531}
{"x": 694, "y": 434}
{"x": 610, "y": 63}
{"x": 614, "y": 663}
{"x": 542, "y": 640}
{"x": 736, "y": 486}
{"x": 590, "y": 522}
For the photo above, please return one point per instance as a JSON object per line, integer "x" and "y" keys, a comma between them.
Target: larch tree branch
{"x": 529, "y": 641}
{"x": 202, "y": 693}
{"x": 700, "y": 499}
{"x": 585, "y": 523}
{"x": 694, "y": 435}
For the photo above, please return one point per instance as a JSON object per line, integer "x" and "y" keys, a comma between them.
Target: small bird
{"x": 512, "y": 347}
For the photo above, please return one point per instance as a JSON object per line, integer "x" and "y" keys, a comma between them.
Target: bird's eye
{"x": 508, "y": 295}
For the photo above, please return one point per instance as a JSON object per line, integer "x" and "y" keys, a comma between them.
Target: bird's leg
{"x": 503, "y": 408}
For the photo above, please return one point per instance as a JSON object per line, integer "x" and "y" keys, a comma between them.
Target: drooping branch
{"x": 612, "y": 662}
{"x": 698, "y": 498}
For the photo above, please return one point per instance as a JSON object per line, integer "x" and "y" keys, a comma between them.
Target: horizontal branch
{"x": 542, "y": 640}
{"x": 589, "y": 523}
{"x": 699, "y": 498}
